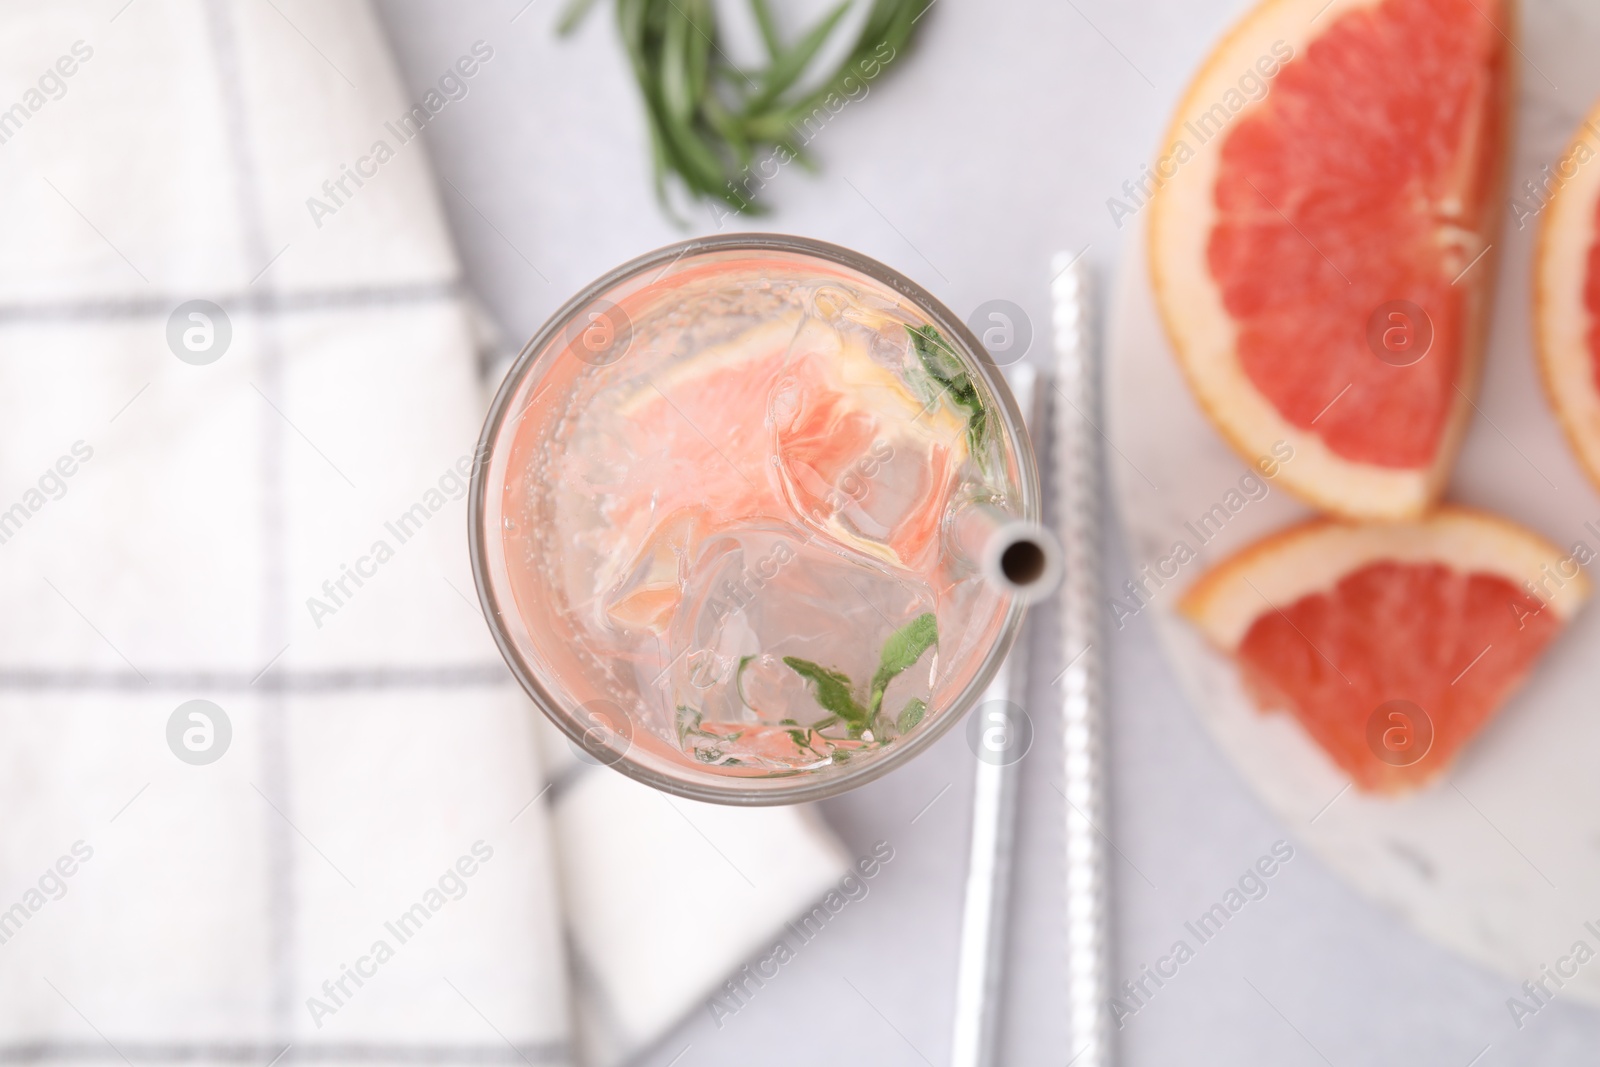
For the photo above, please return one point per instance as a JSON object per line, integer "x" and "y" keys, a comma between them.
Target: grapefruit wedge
{"x": 785, "y": 418}
{"x": 1392, "y": 644}
{"x": 1567, "y": 294}
{"x": 1320, "y": 238}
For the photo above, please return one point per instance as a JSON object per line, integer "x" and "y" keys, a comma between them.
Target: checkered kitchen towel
{"x": 268, "y": 792}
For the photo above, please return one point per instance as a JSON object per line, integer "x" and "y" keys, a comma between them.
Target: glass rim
{"x": 739, "y": 791}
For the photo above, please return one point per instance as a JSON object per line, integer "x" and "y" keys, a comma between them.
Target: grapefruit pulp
{"x": 1392, "y": 644}
{"x": 1567, "y": 295}
{"x": 1320, "y": 240}
{"x": 703, "y": 437}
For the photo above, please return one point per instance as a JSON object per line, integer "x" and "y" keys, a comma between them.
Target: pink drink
{"x": 727, "y": 515}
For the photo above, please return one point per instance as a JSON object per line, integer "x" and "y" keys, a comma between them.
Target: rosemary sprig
{"x": 723, "y": 131}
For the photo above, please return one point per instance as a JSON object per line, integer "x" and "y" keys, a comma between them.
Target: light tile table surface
{"x": 994, "y": 144}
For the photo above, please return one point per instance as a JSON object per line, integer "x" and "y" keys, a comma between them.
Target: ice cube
{"x": 763, "y": 605}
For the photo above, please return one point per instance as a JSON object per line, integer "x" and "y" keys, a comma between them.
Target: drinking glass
{"x": 738, "y": 519}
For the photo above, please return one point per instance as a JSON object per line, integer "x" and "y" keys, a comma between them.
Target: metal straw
{"x": 994, "y": 806}
{"x": 1077, "y": 466}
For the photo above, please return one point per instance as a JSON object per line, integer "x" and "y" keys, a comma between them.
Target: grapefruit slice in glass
{"x": 1567, "y": 295}
{"x": 1392, "y": 644}
{"x": 762, "y": 427}
{"x": 1321, "y": 231}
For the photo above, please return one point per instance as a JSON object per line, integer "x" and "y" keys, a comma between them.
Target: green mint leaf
{"x": 978, "y": 433}
{"x": 832, "y": 690}
{"x": 946, "y": 369}
{"x": 688, "y": 723}
{"x": 738, "y": 681}
{"x": 911, "y": 715}
{"x": 938, "y": 358}
{"x": 802, "y": 740}
{"x": 903, "y": 648}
